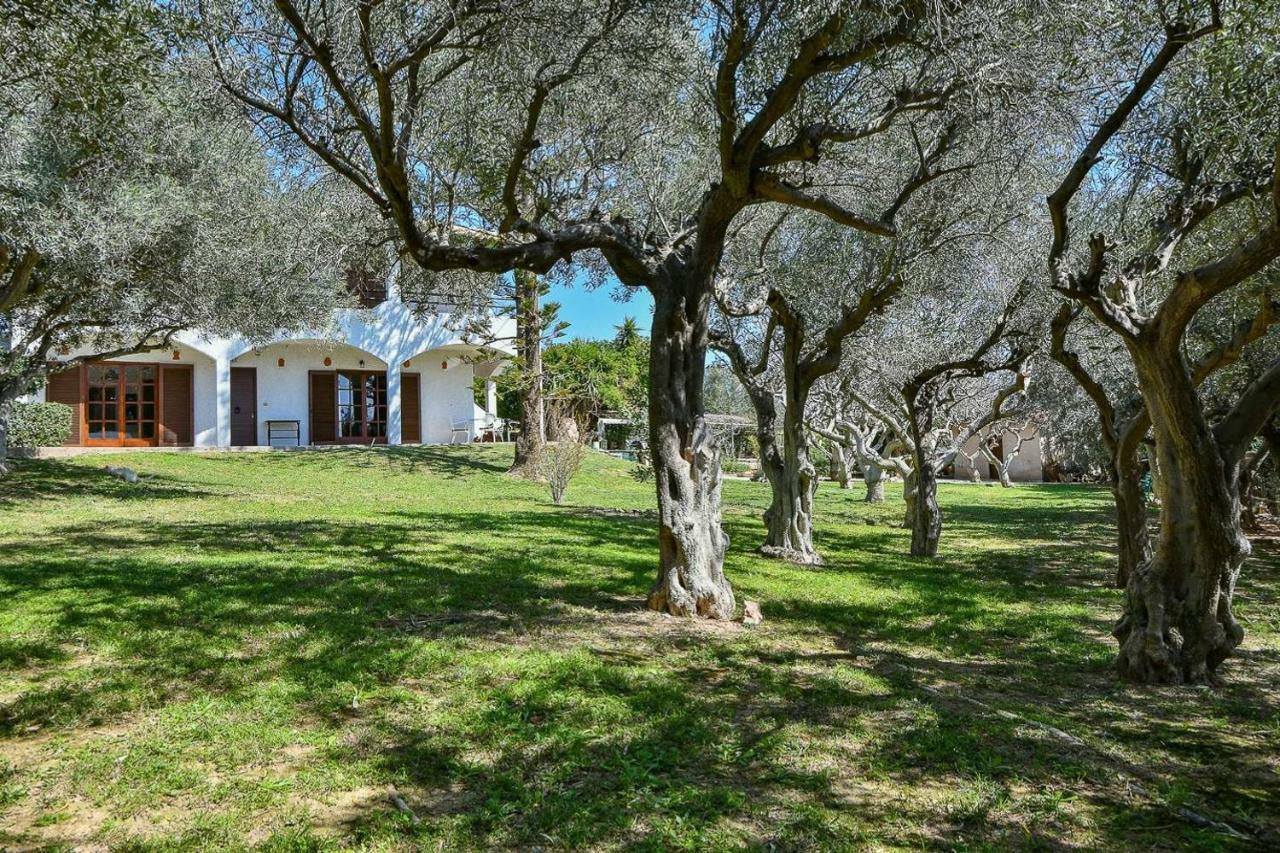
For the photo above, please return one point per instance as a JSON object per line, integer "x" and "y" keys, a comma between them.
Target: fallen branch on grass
{"x": 396, "y": 800}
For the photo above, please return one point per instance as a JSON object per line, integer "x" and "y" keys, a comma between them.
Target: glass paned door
{"x": 349, "y": 410}
{"x": 121, "y": 403}
{"x": 375, "y": 405}
{"x": 103, "y": 410}
{"x": 140, "y": 402}
{"x": 362, "y": 405}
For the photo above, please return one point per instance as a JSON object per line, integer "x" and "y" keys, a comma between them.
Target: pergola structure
{"x": 725, "y": 427}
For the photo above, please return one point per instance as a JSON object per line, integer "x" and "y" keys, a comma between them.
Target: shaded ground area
{"x": 249, "y": 650}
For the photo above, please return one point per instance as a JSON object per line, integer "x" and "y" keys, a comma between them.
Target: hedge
{"x": 39, "y": 425}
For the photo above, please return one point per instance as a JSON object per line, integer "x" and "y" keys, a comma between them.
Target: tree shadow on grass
{"x": 35, "y": 480}
{"x": 442, "y": 460}
{"x": 175, "y": 601}
{"x": 575, "y": 737}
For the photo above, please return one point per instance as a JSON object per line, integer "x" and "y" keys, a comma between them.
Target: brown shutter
{"x": 64, "y": 387}
{"x": 410, "y": 409}
{"x": 324, "y": 407}
{"x": 176, "y": 427}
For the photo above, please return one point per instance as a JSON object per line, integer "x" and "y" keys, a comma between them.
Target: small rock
{"x": 870, "y": 521}
{"x": 751, "y": 614}
{"x": 126, "y": 474}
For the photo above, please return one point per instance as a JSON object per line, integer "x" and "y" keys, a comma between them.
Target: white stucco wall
{"x": 1027, "y": 467}
{"x": 446, "y": 394}
{"x": 385, "y": 338}
{"x": 284, "y": 392}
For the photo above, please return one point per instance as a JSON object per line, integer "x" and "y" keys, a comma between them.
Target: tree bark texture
{"x": 532, "y": 436}
{"x": 910, "y": 491}
{"x": 789, "y": 520}
{"x": 1178, "y": 624}
{"x": 686, "y": 463}
{"x": 841, "y": 466}
{"x": 786, "y": 522}
{"x": 6, "y": 411}
{"x": 926, "y": 526}
{"x": 873, "y": 476}
{"x": 1133, "y": 541}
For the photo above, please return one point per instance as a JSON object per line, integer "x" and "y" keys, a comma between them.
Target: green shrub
{"x": 819, "y": 456}
{"x": 39, "y": 425}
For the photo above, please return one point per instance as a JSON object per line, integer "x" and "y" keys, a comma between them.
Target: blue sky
{"x": 594, "y": 313}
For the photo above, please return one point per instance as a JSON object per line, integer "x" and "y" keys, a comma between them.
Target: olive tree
{"x": 937, "y": 398}
{"x": 803, "y": 357}
{"x": 130, "y": 210}
{"x": 1191, "y": 139}
{"x": 527, "y": 134}
{"x": 860, "y": 437}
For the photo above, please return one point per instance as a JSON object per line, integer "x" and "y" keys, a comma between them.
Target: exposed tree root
{"x": 791, "y": 555}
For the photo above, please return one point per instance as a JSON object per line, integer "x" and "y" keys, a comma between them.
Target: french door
{"x": 362, "y": 405}
{"x": 121, "y": 401}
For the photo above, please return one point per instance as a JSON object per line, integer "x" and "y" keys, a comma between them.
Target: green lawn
{"x": 249, "y": 649}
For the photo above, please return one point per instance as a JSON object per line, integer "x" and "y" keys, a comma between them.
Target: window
{"x": 140, "y": 402}
{"x": 369, "y": 290}
{"x": 103, "y": 412}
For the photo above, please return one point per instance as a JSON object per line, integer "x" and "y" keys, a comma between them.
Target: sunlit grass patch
{"x": 252, "y": 649}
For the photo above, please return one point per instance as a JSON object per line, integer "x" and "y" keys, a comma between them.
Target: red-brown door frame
{"x": 154, "y": 441}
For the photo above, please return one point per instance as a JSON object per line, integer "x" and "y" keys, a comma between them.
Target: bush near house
{"x": 39, "y": 425}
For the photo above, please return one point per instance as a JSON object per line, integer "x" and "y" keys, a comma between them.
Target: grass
{"x": 247, "y": 650}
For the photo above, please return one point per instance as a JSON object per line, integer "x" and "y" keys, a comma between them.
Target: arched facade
{"x": 382, "y": 375}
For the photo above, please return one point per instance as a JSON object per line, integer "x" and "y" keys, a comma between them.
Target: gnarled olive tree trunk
{"x": 789, "y": 520}
{"x": 1133, "y": 542}
{"x": 926, "y": 520}
{"x": 1178, "y": 624}
{"x": 910, "y": 492}
{"x": 1271, "y": 440}
{"x": 873, "y": 476}
{"x": 6, "y": 411}
{"x": 532, "y": 436}
{"x": 8, "y": 391}
{"x": 841, "y": 468}
{"x": 686, "y": 463}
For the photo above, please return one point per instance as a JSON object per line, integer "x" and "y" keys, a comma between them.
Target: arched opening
{"x": 439, "y": 401}
{"x": 158, "y": 398}
{"x": 304, "y": 392}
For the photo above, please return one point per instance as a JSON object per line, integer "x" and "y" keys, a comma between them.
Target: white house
{"x": 1022, "y": 442}
{"x": 380, "y": 375}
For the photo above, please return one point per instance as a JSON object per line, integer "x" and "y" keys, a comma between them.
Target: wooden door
{"x": 120, "y": 408}
{"x": 177, "y": 427}
{"x": 244, "y": 406}
{"x": 324, "y": 411}
{"x": 410, "y": 409}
